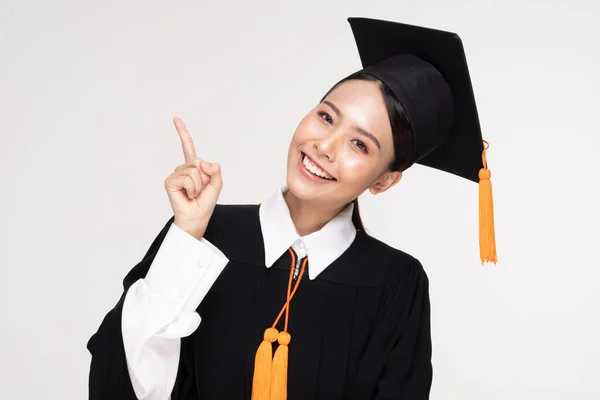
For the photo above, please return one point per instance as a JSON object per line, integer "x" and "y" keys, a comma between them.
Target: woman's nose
{"x": 326, "y": 147}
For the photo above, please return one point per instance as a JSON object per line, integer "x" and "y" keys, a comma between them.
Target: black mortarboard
{"x": 427, "y": 71}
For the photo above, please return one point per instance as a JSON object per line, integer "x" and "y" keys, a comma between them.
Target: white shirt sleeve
{"x": 160, "y": 309}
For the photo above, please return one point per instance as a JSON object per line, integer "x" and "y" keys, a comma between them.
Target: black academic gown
{"x": 360, "y": 330}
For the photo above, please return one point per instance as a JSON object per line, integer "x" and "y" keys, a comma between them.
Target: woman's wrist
{"x": 194, "y": 229}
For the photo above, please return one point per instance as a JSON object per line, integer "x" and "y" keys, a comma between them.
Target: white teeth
{"x": 314, "y": 169}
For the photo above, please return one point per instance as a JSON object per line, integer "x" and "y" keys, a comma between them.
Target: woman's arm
{"x": 136, "y": 350}
{"x": 160, "y": 309}
{"x": 408, "y": 372}
{"x": 397, "y": 361}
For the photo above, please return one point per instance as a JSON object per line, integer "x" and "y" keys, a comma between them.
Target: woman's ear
{"x": 385, "y": 181}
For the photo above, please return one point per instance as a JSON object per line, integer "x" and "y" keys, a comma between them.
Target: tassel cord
{"x": 487, "y": 237}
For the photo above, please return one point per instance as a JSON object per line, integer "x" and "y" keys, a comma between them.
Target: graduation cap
{"x": 427, "y": 71}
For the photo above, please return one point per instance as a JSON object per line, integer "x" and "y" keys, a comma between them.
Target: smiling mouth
{"x": 312, "y": 169}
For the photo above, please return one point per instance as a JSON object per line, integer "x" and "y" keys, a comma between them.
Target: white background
{"x": 87, "y": 95}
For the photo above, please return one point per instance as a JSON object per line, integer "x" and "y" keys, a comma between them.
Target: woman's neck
{"x": 308, "y": 217}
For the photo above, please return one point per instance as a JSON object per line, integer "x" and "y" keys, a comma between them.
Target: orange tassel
{"x": 261, "y": 382}
{"x": 270, "y": 373}
{"x": 280, "y": 368}
{"x": 487, "y": 236}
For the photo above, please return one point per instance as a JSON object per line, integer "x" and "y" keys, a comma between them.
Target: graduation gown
{"x": 360, "y": 330}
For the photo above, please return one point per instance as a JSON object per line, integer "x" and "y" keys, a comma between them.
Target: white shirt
{"x": 160, "y": 309}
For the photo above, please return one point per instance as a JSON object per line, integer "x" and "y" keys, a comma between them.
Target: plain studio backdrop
{"x": 87, "y": 97}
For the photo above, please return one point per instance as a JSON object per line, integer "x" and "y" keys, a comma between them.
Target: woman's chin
{"x": 301, "y": 189}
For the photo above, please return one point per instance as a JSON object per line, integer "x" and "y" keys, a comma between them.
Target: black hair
{"x": 402, "y": 134}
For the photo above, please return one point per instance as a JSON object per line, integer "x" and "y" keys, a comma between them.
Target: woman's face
{"x": 347, "y": 140}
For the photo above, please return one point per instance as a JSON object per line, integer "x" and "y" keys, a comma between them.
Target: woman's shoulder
{"x": 370, "y": 262}
{"x": 243, "y": 217}
{"x": 393, "y": 262}
{"x": 235, "y": 230}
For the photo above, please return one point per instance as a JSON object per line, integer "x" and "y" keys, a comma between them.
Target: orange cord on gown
{"x": 270, "y": 373}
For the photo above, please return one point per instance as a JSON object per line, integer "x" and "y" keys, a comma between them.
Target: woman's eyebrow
{"x": 358, "y": 129}
{"x": 367, "y": 134}
{"x": 334, "y": 108}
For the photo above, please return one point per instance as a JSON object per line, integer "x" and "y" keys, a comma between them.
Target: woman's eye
{"x": 326, "y": 117}
{"x": 361, "y": 145}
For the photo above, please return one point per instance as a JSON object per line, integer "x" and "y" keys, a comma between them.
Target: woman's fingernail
{"x": 205, "y": 164}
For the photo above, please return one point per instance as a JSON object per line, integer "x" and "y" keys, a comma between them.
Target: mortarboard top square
{"x": 427, "y": 70}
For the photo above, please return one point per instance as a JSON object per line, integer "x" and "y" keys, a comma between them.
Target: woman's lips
{"x": 309, "y": 174}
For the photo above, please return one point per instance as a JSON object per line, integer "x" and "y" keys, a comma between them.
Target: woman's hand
{"x": 193, "y": 188}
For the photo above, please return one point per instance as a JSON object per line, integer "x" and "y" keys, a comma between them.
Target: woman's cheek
{"x": 359, "y": 171}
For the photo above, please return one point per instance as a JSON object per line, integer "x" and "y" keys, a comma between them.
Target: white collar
{"x": 323, "y": 246}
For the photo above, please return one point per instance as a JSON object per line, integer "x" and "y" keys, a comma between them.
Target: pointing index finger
{"x": 186, "y": 140}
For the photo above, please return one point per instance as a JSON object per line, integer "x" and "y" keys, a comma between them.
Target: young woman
{"x": 291, "y": 298}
